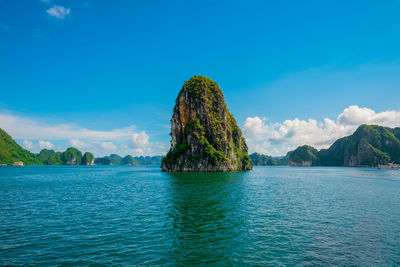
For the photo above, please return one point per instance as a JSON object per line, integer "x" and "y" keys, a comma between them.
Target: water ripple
{"x": 64, "y": 215}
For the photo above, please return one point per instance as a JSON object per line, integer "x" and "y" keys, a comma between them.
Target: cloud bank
{"x": 272, "y": 138}
{"x": 45, "y": 144}
{"x": 140, "y": 140}
{"x": 28, "y": 144}
{"x": 79, "y": 144}
{"x": 124, "y": 141}
{"x": 20, "y": 127}
{"x": 278, "y": 138}
{"x": 109, "y": 146}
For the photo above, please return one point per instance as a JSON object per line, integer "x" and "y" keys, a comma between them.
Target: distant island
{"x": 369, "y": 145}
{"x": 71, "y": 156}
{"x": 11, "y": 152}
{"x": 205, "y": 135}
{"x": 265, "y": 160}
{"x": 115, "y": 159}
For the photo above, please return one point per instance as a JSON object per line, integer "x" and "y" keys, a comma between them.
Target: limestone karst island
{"x": 205, "y": 135}
{"x": 188, "y": 133}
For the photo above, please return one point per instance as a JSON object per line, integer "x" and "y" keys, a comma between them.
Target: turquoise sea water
{"x": 64, "y": 215}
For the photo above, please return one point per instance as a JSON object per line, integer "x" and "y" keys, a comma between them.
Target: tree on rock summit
{"x": 205, "y": 136}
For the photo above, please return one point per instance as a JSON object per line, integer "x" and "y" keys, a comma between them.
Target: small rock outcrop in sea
{"x": 87, "y": 159}
{"x": 71, "y": 156}
{"x": 205, "y": 136}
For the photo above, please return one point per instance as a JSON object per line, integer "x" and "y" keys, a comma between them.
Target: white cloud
{"x": 45, "y": 144}
{"x": 123, "y": 141}
{"x": 108, "y": 146}
{"x": 355, "y": 115}
{"x": 140, "y": 140}
{"x": 78, "y": 144}
{"x": 278, "y": 138}
{"x": 138, "y": 152}
{"x": 28, "y": 144}
{"x": 25, "y": 128}
{"x": 58, "y": 12}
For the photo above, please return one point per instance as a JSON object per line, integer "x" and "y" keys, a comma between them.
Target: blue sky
{"x": 100, "y": 67}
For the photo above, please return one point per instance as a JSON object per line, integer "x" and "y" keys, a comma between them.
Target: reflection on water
{"x": 205, "y": 216}
{"x": 138, "y": 216}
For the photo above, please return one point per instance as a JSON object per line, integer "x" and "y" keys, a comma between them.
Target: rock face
{"x": 205, "y": 136}
{"x": 265, "y": 160}
{"x": 72, "y": 156}
{"x": 262, "y": 160}
{"x": 303, "y": 156}
{"x": 369, "y": 145}
{"x": 87, "y": 159}
{"x": 50, "y": 157}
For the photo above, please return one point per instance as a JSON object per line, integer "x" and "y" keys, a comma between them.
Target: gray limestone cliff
{"x": 204, "y": 134}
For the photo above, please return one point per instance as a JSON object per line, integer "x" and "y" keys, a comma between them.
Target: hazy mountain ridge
{"x": 369, "y": 145}
{"x": 265, "y": 160}
{"x": 11, "y": 152}
{"x": 71, "y": 156}
{"x": 115, "y": 159}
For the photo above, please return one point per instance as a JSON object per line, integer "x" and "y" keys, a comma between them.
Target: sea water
{"x": 126, "y": 215}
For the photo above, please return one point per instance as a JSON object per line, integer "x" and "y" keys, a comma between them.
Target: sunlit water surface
{"x": 140, "y": 216}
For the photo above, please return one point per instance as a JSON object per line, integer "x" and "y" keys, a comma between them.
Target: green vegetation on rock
{"x": 87, "y": 159}
{"x": 11, "y": 152}
{"x": 50, "y": 157}
{"x": 72, "y": 156}
{"x": 369, "y": 145}
{"x": 148, "y": 160}
{"x": 205, "y": 135}
{"x": 103, "y": 161}
{"x": 115, "y": 159}
{"x": 262, "y": 160}
{"x": 128, "y": 160}
{"x": 174, "y": 154}
{"x": 303, "y": 156}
